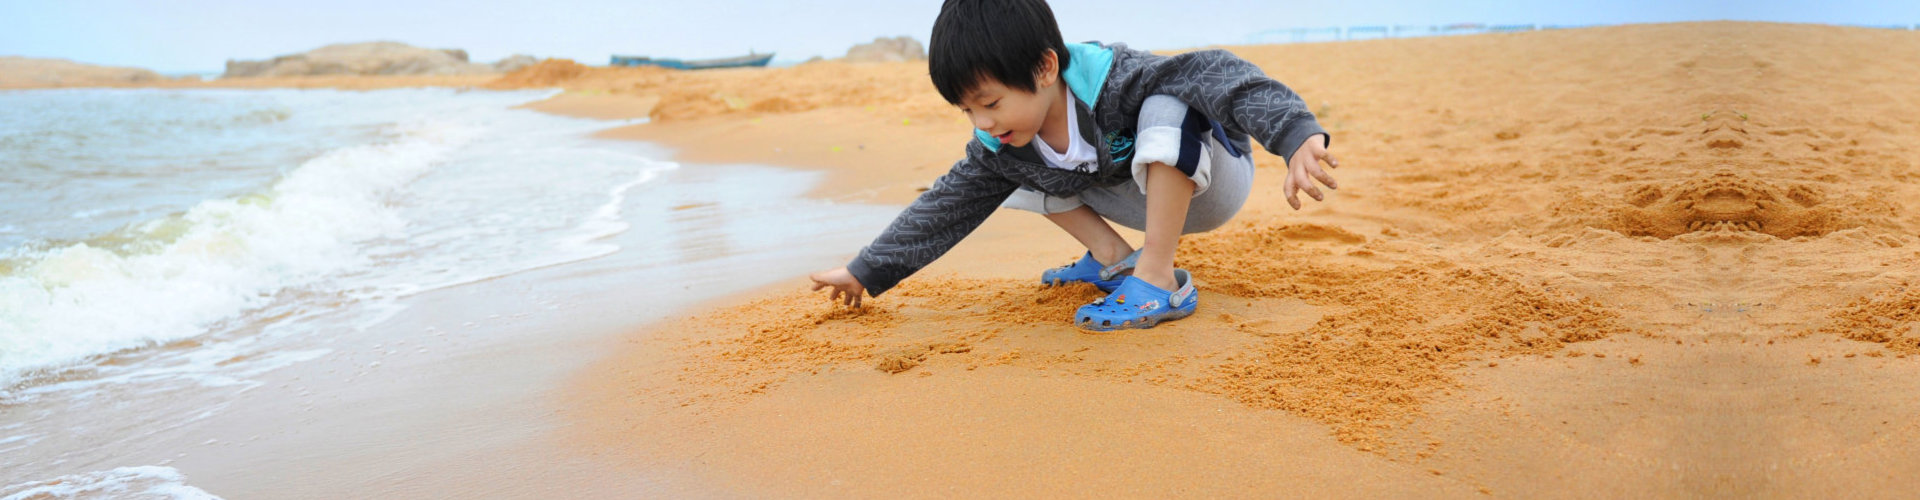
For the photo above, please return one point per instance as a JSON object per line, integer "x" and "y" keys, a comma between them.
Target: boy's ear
{"x": 1049, "y": 71}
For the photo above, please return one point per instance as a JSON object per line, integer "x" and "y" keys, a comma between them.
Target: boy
{"x": 1085, "y": 133}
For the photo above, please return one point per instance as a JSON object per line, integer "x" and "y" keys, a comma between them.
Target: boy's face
{"x": 1011, "y": 115}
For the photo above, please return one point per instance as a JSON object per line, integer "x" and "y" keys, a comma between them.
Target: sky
{"x": 181, "y": 36}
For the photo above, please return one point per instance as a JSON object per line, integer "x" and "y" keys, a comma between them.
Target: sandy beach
{"x": 1667, "y": 261}
{"x": 1662, "y": 260}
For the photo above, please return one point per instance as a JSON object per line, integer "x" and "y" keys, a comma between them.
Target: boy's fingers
{"x": 1299, "y": 177}
{"x": 1323, "y": 177}
{"x": 1330, "y": 160}
{"x": 817, "y": 285}
{"x": 1293, "y": 195}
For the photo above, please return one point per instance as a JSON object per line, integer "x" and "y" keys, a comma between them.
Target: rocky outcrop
{"x": 373, "y": 58}
{"x": 514, "y": 63}
{"x": 30, "y": 72}
{"x": 885, "y": 49}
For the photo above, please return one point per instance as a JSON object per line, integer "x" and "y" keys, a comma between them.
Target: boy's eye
{"x": 993, "y": 104}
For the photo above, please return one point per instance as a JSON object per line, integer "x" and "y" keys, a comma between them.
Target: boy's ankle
{"x": 1111, "y": 255}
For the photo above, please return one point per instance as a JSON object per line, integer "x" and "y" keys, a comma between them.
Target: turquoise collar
{"x": 1086, "y": 74}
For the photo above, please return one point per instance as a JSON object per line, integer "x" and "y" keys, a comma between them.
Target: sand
{"x": 1642, "y": 261}
{"x": 1659, "y": 260}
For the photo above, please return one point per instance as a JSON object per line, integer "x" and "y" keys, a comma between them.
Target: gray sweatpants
{"x": 1172, "y": 134}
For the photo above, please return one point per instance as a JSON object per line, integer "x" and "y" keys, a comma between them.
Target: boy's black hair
{"x": 1000, "y": 39}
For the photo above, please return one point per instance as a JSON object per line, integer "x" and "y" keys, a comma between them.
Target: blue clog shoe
{"x": 1138, "y": 304}
{"x": 1090, "y": 271}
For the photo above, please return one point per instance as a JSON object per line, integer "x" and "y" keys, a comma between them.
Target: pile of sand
{"x": 372, "y": 58}
{"x": 687, "y": 95}
{"x": 1891, "y": 317}
{"x": 30, "y": 72}
{"x": 544, "y": 73}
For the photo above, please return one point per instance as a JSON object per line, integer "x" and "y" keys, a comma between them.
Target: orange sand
{"x": 1565, "y": 263}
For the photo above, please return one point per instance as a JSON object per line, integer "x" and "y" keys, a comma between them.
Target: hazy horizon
{"x": 196, "y": 36}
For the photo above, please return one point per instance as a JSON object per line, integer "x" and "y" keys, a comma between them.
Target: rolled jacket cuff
{"x": 1298, "y": 134}
{"x": 868, "y": 276}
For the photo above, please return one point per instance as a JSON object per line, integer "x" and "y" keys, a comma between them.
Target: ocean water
{"x": 225, "y": 293}
{"x": 134, "y": 219}
{"x": 143, "y": 482}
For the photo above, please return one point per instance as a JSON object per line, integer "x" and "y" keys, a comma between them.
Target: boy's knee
{"x": 1200, "y": 223}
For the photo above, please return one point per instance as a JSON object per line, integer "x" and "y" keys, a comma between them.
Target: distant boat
{"x": 751, "y": 60}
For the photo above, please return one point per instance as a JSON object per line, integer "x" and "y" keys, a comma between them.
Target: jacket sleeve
{"x": 1234, "y": 92}
{"x": 956, "y": 204}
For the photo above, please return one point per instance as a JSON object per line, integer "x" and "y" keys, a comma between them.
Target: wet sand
{"x": 1663, "y": 260}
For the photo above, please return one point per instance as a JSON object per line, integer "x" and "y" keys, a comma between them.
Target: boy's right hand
{"x": 1304, "y": 167}
{"x": 846, "y": 288}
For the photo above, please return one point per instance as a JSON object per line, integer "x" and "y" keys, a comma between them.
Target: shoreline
{"x": 412, "y": 392}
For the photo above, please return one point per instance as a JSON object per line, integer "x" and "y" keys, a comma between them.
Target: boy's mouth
{"x": 1005, "y": 137}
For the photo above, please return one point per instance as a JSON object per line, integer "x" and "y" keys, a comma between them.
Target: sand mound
{"x": 544, "y": 73}
{"x": 686, "y": 95}
{"x": 370, "y": 58}
{"x": 1397, "y": 331}
{"x": 1890, "y": 317}
{"x": 1728, "y": 201}
{"x": 26, "y": 72}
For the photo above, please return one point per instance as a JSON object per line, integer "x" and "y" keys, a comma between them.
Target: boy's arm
{"x": 956, "y": 204}
{"x": 1236, "y": 93}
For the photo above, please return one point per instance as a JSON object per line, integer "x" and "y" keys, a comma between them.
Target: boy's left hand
{"x": 1304, "y": 168}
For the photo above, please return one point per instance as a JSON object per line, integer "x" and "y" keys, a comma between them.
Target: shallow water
{"x": 285, "y": 293}
{"x": 141, "y": 217}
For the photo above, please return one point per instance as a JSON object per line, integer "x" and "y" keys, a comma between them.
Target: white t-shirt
{"x": 1080, "y": 156}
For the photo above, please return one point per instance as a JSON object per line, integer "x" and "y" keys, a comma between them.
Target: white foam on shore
{"x": 219, "y": 258}
{"x": 142, "y": 482}
{"x": 462, "y": 189}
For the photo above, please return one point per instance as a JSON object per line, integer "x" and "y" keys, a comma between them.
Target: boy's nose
{"x": 982, "y": 122}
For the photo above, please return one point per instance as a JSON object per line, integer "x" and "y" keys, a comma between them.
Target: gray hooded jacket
{"x": 1108, "y": 83}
